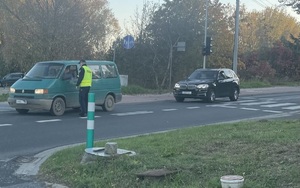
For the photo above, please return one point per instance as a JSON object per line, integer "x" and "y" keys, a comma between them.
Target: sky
{"x": 124, "y": 9}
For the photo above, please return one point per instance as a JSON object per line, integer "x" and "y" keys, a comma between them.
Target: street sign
{"x": 181, "y": 46}
{"x": 128, "y": 42}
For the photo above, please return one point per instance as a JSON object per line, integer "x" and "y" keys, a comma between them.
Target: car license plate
{"x": 187, "y": 92}
{"x": 21, "y": 101}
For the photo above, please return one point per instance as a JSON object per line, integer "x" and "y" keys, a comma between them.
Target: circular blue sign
{"x": 128, "y": 42}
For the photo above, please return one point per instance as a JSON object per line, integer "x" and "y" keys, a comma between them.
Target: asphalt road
{"x": 40, "y": 132}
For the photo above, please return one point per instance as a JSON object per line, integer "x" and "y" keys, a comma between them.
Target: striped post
{"x": 90, "y": 121}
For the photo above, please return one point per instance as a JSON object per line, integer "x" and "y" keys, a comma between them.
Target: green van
{"x": 51, "y": 86}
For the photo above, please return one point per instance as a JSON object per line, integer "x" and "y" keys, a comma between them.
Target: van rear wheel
{"x": 109, "y": 103}
{"x": 58, "y": 107}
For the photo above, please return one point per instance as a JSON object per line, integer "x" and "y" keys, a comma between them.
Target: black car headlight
{"x": 202, "y": 86}
{"x": 176, "y": 86}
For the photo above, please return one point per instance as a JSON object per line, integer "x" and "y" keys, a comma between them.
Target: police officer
{"x": 84, "y": 82}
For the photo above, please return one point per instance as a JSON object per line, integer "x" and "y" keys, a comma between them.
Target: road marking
{"x": 272, "y": 111}
{"x": 193, "y": 107}
{"x": 252, "y": 109}
{"x": 132, "y": 113}
{"x": 5, "y": 125}
{"x": 49, "y": 120}
{"x": 220, "y": 105}
{"x": 245, "y": 101}
{"x": 292, "y": 108}
{"x": 278, "y": 105}
{"x": 257, "y": 103}
{"x": 169, "y": 110}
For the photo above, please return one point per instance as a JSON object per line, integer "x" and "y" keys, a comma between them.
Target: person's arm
{"x": 81, "y": 74}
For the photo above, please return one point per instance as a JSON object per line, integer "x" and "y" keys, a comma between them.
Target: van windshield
{"x": 44, "y": 71}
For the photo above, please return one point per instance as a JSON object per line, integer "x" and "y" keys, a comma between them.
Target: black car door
{"x": 223, "y": 85}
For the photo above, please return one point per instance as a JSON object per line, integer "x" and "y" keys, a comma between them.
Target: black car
{"x": 208, "y": 84}
{"x": 10, "y": 79}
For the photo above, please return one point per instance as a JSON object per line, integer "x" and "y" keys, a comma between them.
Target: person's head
{"x": 82, "y": 62}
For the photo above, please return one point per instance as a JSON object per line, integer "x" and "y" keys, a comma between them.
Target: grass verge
{"x": 266, "y": 153}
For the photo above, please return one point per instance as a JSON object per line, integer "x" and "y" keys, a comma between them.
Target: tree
{"x": 295, "y": 4}
{"x": 54, "y": 29}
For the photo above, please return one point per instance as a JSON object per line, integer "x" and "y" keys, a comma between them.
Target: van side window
{"x": 109, "y": 71}
{"x": 95, "y": 70}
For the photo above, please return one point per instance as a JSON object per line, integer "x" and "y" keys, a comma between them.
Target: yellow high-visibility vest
{"x": 87, "y": 78}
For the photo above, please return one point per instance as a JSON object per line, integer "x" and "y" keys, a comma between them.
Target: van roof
{"x": 72, "y": 62}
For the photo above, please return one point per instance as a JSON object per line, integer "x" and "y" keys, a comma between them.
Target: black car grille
{"x": 190, "y": 87}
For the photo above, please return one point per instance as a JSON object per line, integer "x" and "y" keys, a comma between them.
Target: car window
{"x": 228, "y": 74}
{"x": 109, "y": 71}
{"x": 45, "y": 70}
{"x": 222, "y": 75}
{"x": 203, "y": 74}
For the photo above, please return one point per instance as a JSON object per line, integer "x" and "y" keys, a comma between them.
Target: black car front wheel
{"x": 179, "y": 99}
{"x": 234, "y": 95}
{"x": 211, "y": 96}
{"x": 22, "y": 111}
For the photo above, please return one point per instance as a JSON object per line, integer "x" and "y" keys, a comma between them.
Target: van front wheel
{"x": 109, "y": 103}
{"x": 58, "y": 107}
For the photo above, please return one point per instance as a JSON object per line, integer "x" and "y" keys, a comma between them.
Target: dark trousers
{"x": 83, "y": 99}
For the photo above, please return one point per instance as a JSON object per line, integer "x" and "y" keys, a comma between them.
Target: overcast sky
{"x": 124, "y": 9}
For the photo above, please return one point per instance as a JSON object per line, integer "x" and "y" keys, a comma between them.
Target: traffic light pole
{"x": 236, "y": 36}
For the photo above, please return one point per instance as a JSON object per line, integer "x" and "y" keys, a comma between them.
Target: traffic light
{"x": 208, "y": 46}
{"x": 204, "y": 50}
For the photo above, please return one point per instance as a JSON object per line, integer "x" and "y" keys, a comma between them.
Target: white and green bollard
{"x": 90, "y": 121}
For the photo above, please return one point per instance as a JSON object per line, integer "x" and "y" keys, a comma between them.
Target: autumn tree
{"x": 54, "y": 29}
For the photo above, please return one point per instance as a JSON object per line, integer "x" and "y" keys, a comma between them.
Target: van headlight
{"x": 202, "y": 86}
{"x": 41, "y": 91}
{"x": 12, "y": 90}
{"x": 176, "y": 86}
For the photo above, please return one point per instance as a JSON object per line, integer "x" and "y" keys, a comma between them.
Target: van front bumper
{"x": 30, "y": 104}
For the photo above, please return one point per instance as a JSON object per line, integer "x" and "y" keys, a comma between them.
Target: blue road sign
{"x": 128, "y": 42}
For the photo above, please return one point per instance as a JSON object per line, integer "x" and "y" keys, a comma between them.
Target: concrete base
{"x": 92, "y": 154}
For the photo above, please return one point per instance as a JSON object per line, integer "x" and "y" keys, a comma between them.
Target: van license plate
{"x": 187, "y": 92}
{"x": 21, "y": 101}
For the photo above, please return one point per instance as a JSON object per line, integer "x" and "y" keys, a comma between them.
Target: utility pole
{"x": 205, "y": 31}
{"x": 236, "y": 37}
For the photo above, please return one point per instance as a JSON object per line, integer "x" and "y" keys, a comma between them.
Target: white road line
{"x": 292, "y": 108}
{"x": 49, "y": 120}
{"x": 5, "y": 125}
{"x": 252, "y": 109}
{"x": 277, "y": 105}
{"x": 169, "y": 110}
{"x": 132, "y": 113}
{"x": 272, "y": 111}
{"x": 86, "y": 117}
{"x": 257, "y": 103}
{"x": 245, "y": 101}
{"x": 193, "y": 107}
{"x": 223, "y": 106}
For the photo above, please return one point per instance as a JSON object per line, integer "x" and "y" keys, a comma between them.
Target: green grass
{"x": 3, "y": 97}
{"x": 266, "y": 153}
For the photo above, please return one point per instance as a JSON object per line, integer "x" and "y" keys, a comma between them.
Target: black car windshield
{"x": 203, "y": 74}
{"x": 44, "y": 70}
